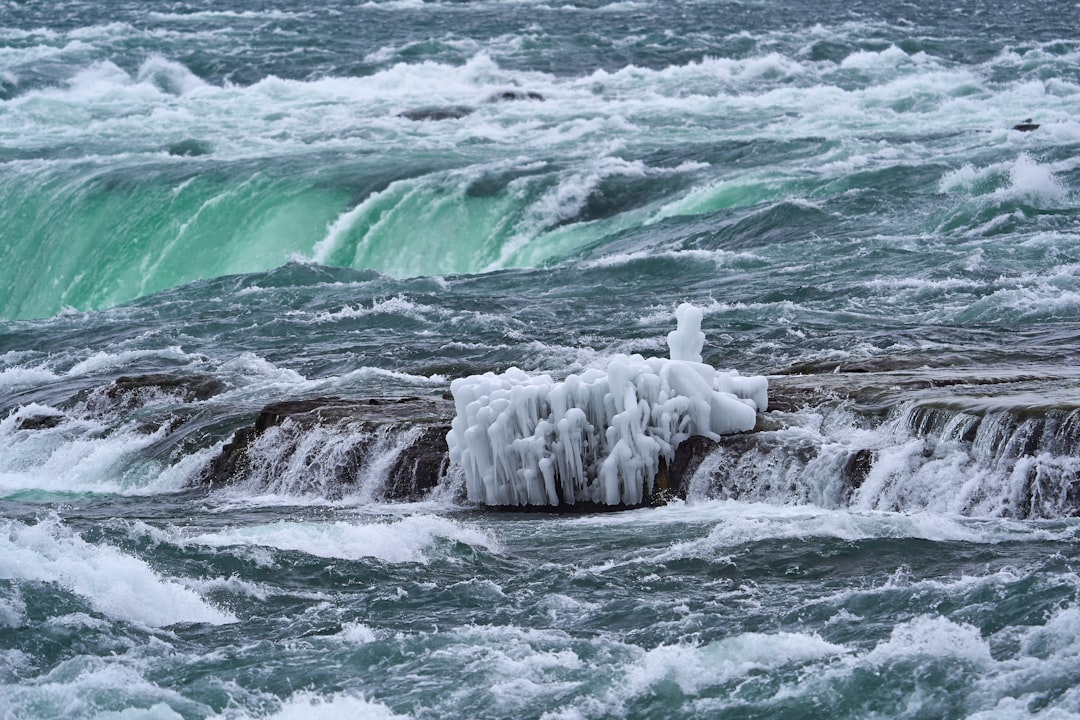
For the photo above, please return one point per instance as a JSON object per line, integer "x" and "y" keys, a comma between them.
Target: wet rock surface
{"x": 904, "y": 438}
{"x": 515, "y": 96}
{"x": 393, "y": 449}
{"x": 452, "y": 112}
{"x": 39, "y": 421}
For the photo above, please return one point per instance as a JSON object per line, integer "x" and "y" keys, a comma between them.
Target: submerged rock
{"x": 136, "y": 394}
{"x": 190, "y": 148}
{"x": 453, "y": 112}
{"x": 673, "y": 481}
{"x": 515, "y": 95}
{"x": 39, "y": 420}
{"x": 130, "y": 391}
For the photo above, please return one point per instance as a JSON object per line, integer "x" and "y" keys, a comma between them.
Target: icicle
{"x": 598, "y": 436}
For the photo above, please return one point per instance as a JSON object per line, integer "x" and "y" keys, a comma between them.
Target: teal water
{"x": 253, "y": 196}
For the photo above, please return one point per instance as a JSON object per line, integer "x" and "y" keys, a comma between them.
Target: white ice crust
{"x": 599, "y": 436}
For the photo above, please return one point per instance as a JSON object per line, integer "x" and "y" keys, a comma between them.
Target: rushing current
{"x": 207, "y": 208}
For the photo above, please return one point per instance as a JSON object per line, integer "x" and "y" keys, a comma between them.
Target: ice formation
{"x": 599, "y": 436}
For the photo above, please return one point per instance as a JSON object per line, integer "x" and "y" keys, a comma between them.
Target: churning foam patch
{"x": 104, "y": 688}
{"x": 12, "y": 610}
{"x": 19, "y": 377}
{"x": 307, "y": 705}
{"x": 717, "y": 258}
{"x": 730, "y": 523}
{"x": 408, "y": 540}
{"x": 695, "y": 668}
{"x": 157, "y": 711}
{"x": 114, "y": 583}
{"x": 397, "y": 305}
{"x": 368, "y": 373}
{"x": 522, "y": 667}
{"x": 357, "y": 633}
{"x": 252, "y": 368}
{"x": 79, "y": 455}
{"x": 104, "y": 360}
{"x": 933, "y": 636}
{"x": 1029, "y": 179}
{"x": 1023, "y": 179}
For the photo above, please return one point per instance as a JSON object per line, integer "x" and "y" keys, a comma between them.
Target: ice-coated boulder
{"x": 597, "y": 437}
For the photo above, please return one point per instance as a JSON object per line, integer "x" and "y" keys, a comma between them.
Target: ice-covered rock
{"x": 599, "y": 436}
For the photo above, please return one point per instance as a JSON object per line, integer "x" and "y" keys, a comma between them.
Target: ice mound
{"x": 599, "y": 436}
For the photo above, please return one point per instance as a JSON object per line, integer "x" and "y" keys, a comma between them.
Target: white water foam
{"x": 12, "y": 610}
{"x": 116, "y": 584}
{"x": 933, "y": 636}
{"x": 308, "y": 705}
{"x": 412, "y": 539}
{"x": 1021, "y": 179}
{"x": 15, "y": 378}
{"x": 78, "y": 457}
{"x": 694, "y": 668}
{"x": 726, "y": 524}
{"x": 113, "y": 688}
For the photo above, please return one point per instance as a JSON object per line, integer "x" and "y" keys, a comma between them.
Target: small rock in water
{"x": 454, "y": 112}
{"x": 190, "y": 148}
{"x": 512, "y": 95}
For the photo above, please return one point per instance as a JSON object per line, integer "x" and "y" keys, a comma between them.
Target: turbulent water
{"x": 277, "y": 201}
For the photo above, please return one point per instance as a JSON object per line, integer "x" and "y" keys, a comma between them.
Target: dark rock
{"x": 857, "y": 468}
{"x": 515, "y": 95}
{"x": 128, "y": 392}
{"x": 421, "y": 465}
{"x": 185, "y": 388}
{"x": 674, "y": 481}
{"x": 453, "y": 112}
{"x": 190, "y": 148}
{"x": 1026, "y": 126}
{"x": 229, "y": 463}
{"x": 43, "y": 421}
{"x": 396, "y": 448}
{"x": 140, "y": 394}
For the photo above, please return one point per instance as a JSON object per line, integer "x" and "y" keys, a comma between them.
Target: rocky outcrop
{"x": 388, "y": 449}
{"x": 131, "y": 391}
{"x": 908, "y": 441}
{"x": 515, "y": 96}
{"x": 190, "y": 148}
{"x": 153, "y": 399}
{"x": 456, "y": 112}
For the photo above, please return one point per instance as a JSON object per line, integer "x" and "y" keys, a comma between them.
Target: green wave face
{"x": 102, "y": 236}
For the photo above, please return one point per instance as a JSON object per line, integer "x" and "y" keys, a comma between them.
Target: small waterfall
{"x": 938, "y": 456}
{"x": 327, "y": 461}
{"x": 334, "y": 448}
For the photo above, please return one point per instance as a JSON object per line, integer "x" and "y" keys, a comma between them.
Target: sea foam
{"x": 596, "y": 437}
